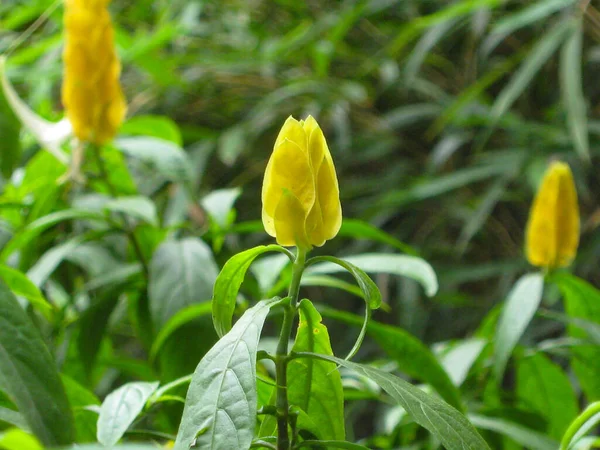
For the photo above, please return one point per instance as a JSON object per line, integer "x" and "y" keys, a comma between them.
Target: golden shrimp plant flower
{"x": 300, "y": 194}
{"x": 553, "y": 228}
{"x": 91, "y": 92}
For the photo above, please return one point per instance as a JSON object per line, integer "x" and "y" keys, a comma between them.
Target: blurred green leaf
{"x": 519, "y": 309}
{"x": 29, "y": 375}
{"x": 530, "y": 439}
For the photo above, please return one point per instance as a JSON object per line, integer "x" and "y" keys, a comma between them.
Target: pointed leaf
{"x": 523, "y": 301}
{"x": 452, "y": 428}
{"x": 220, "y": 407}
{"x": 120, "y": 408}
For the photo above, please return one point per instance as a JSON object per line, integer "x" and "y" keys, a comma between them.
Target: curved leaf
{"x": 29, "y": 376}
{"x": 119, "y": 410}
{"x": 412, "y": 356}
{"x": 452, "y": 428}
{"x": 220, "y": 407}
{"x": 403, "y": 265}
{"x": 227, "y": 285}
{"x": 523, "y": 301}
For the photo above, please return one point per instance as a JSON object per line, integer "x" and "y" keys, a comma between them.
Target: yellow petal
{"x": 289, "y": 221}
{"x": 288, "y": 168}
{"x": 553, "y": 229}
{"x": 292, "y": 130}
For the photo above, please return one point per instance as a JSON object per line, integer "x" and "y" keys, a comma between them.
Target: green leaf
{"x": 582, "y": 301}
{"x": 15, "y": 439}
{"x": 220, "y": 407}
{"x": 460, "y": 357}
{"x": 13, "y": 418}
{"x": 314, "y": 386}
{"x": 227, "y": 285}
{"x": 442, "y": 420}
{"x": 539, "y": 55}
{"x": 22, "y": 286}
{"x": 10, "y": 129}
{"x": 219, "y": 204}
{"x": 164, "y": 157}
{"x": 331, "y": 444}
{"x": 138, "y": 207}
{"x": 530, "y": 439}
{"x": 182, "y": 273}
{"x": 370, "y": 292}
{"x": 49, "y": 135}
{"x": 29, "y": 376}
{"x": 403, "y": 265}
{"x": 180, "y": 318}
{"x": 572, "y": 90}
{"x": 81, "y": 400}
{"x": 521, "y": 305}
{"x": 544, "y": 387}
{"x": 582, "y": 424}
{"x": 120, "y": 408}
{"x": 155, "y": 126}
{"x": 529, "y": 15}
{"x": 412, "y": 356}
{"x": 358, "y": 229}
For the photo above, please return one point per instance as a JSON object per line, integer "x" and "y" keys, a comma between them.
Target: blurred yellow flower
{"x": 553, "y": 227}
{"x": 300, "y": 193}
{"x": 91, "y": 92}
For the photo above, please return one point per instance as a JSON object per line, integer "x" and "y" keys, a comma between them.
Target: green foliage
{"x": 441, "y": 118}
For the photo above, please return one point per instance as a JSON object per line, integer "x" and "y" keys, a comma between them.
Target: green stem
{"x": 578, "y": 423}
{"x": 281, "y": 357}
{"x": 137, "y": 248}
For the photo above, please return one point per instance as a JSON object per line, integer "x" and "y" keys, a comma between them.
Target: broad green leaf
{"x": 155, "y": 126}
{"x": 403, "y": 265}
{"x": 544, "y": 387}
{"x": 182, "y": 272}
{"x": 29, "y": 376}
{"x": 530, "y": 439}
{"x": 572, "y": 90}
{"x": 180, "y": 318}
{"x": 138, "y": 207}
{"x": 452, "y": 428}
{"x": 412, "y": 356}
{"x": 22, "y": 286}
{"x": 10, "y": 129}
{"x": 370, "y": 292}
{"x": 82, "y": 401}
{"x": 358, "y": 229}
{"x": 220, "y": 407}
{"x": 228, "y": 285}
{"x": 120, "y": 408}
{"x": 582, "y": 301}
{"x": 538, "y": 56}
{"x": 314, "y": 386}
{"x": 164, "y": 157}
{"x": 15, "y": 439}
{"x": 521, "y": 305}
{"x": 219, "y": 204}
{"x": 51, "y": 259}
{"x": 49, "y": 135}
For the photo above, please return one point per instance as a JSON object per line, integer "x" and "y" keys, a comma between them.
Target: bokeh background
{"x": 441, "y": 117}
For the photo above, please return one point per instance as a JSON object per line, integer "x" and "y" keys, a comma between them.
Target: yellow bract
{"x": 91, "y": 92}
{"x": 300, "y": 194}
{"x": 553, "y": 227}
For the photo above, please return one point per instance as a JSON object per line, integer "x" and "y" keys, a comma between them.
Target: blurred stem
{"x": 137, "y": 248}
{"x": 281, "y": 357}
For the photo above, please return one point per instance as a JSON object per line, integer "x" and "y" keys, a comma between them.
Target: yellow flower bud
{"x": 91, "y": 92}
{"x": 300, "y": 194}
{"x": 553, "y": 227}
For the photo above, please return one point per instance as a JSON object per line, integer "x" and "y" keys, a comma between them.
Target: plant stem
{"x": 591, "y": 411}
{"x": 281, "y": 357}
{"x": 137, "y": 248}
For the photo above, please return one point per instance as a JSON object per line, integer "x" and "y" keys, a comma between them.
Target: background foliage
{"x": 441, "y": 117}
